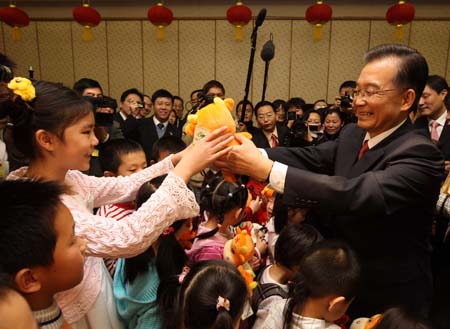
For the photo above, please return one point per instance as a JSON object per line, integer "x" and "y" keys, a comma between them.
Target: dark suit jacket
{"x": 128, "y": 126}
{"x": 260, "y": 140}
{"x": 147, "y": 135}
{"x": 444, "y": 140}
{"x": 382, "y": 204}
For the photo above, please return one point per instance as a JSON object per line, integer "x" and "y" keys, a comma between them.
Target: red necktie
{"x": 434, "y": 133}
{"x": 363, "y": 149}
{"x": 273, "y": 141}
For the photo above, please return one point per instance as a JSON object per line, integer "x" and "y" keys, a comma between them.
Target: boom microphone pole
{"x": 259, "y": 20}
{"x": 267, "y": 54}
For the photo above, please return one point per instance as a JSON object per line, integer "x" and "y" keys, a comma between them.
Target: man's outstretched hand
{"x": 245, "y": 159}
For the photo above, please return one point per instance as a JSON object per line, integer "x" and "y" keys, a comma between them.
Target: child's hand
{"x": 204, "y": 152}
{"x": 255, "y": 204}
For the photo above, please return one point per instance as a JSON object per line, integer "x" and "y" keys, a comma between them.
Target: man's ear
{"x": 337, "y": 305}
{"x": 27, "y": 281}
{"x": 46, "y": 140}
{"x": 408, "y": 98}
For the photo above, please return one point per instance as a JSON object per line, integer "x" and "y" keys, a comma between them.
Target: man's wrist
{"x": 266, "y": 168}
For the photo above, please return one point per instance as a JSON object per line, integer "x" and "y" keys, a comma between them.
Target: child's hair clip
{"x": 223, "y": 303}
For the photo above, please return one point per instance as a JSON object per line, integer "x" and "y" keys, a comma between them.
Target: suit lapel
{"x": 351, "y": 149}
{"x": 372, "y": 156}
{"x": 445, "y": 135}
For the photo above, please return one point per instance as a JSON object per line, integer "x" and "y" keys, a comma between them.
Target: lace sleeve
{"x": 107, "y": 190}
{"x": 135, "y": 233}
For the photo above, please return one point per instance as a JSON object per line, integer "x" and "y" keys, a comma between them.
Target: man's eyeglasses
{"x": 369, "y": 93}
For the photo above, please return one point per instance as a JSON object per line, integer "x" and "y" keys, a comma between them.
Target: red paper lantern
{"x": 160, "y": 16}
{"x": 399, "y": 15}
{"x": 16, "y": 18}
{"x": 239, "y": 15}
{"x": 88, "y": 17}
{"x": 318, "y": 15}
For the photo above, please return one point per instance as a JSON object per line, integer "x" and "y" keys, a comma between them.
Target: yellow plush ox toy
{"x": 210, "y": 117}
{"x": 239, "y": 251}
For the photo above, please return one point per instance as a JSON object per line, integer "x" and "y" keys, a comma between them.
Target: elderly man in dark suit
{"x": 380, "y": 180}
{"x": 155, "y": 127}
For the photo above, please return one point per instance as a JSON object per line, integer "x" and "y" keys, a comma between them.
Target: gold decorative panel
{"x": 431, "y": 38}
{"x": 55, "y": 52}
{"x": 160, "y": 59}
{"x": 349, "y": 42}
{"x": 232, "y": 59}
{"x": 2, "y": 39}
{"x": 197, "y": 54}
{"x": 24, "y": 52}
{"x": 125, "y": 65}
{"x": 382, "y": 32}
{"x": 309, "y": 68}
{"x": 90, "y": 58}
{"x": 280, "y": 66}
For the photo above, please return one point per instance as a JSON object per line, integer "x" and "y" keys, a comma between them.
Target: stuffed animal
{"x": 239, "y": 251}
{"x": 210, "y": 117}
{"x": 366, "y": 323}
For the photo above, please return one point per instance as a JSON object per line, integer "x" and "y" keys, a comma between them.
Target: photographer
{"x": 295, "y": 108}
{"x": 306, "y": 130}
{"x": 104, "y": 107}
{"x": 345, "y": 101}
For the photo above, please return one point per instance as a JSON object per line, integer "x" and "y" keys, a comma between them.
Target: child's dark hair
{"x": 292, "y": 243}
{"x": 170, "y": 261}
{"x": 329, "y": 267}
{"x": 55, "y": 108}
{"x": 225, "y": 197}
{"x": 29, "y": 209}
{"x": 170, "y": 144}
{"x": 204, "y": 284}
{"x": 139, "y": 264}
{"x": 111, "y": 153}
{"x": 397, "y": 318}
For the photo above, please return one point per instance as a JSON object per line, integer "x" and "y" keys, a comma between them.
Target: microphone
{"x": 260, "y": 18}
{"x": 268, "y": 51}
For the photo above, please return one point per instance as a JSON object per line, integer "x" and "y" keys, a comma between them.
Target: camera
{"x": 102, "y": 119}
{"x": 291, "y": 115}
{"x": 346, "y": 101}
{"x": 313, "y": 127}
{"x": 297, "y": 133}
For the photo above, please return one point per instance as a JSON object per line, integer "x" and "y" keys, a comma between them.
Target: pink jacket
{"x": 205, "y": 249}
{"x": 126, "y": 238}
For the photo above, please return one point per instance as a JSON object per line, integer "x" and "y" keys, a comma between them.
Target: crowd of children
{"x": 163, "y": 253}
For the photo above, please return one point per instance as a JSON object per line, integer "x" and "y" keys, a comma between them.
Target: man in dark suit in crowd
{"x": 433, "y": 121}
{"x": 380, "y": 180}
{"x": 270, "y": 133}
{"x": 131, "y": 101}
{"x": 153, "y": 128}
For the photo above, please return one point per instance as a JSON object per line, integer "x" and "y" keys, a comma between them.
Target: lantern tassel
{"x": 239, "y": 33}
{"x": 160, "y": 33}
{"x": 399, "y": 32}
{"x": 16, "y": 33}
{"x": 318, "y": 32}
{"x": 87, "y": 34}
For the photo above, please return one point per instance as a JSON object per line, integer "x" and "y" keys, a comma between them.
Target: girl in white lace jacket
{"x": 56, "y": 131}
